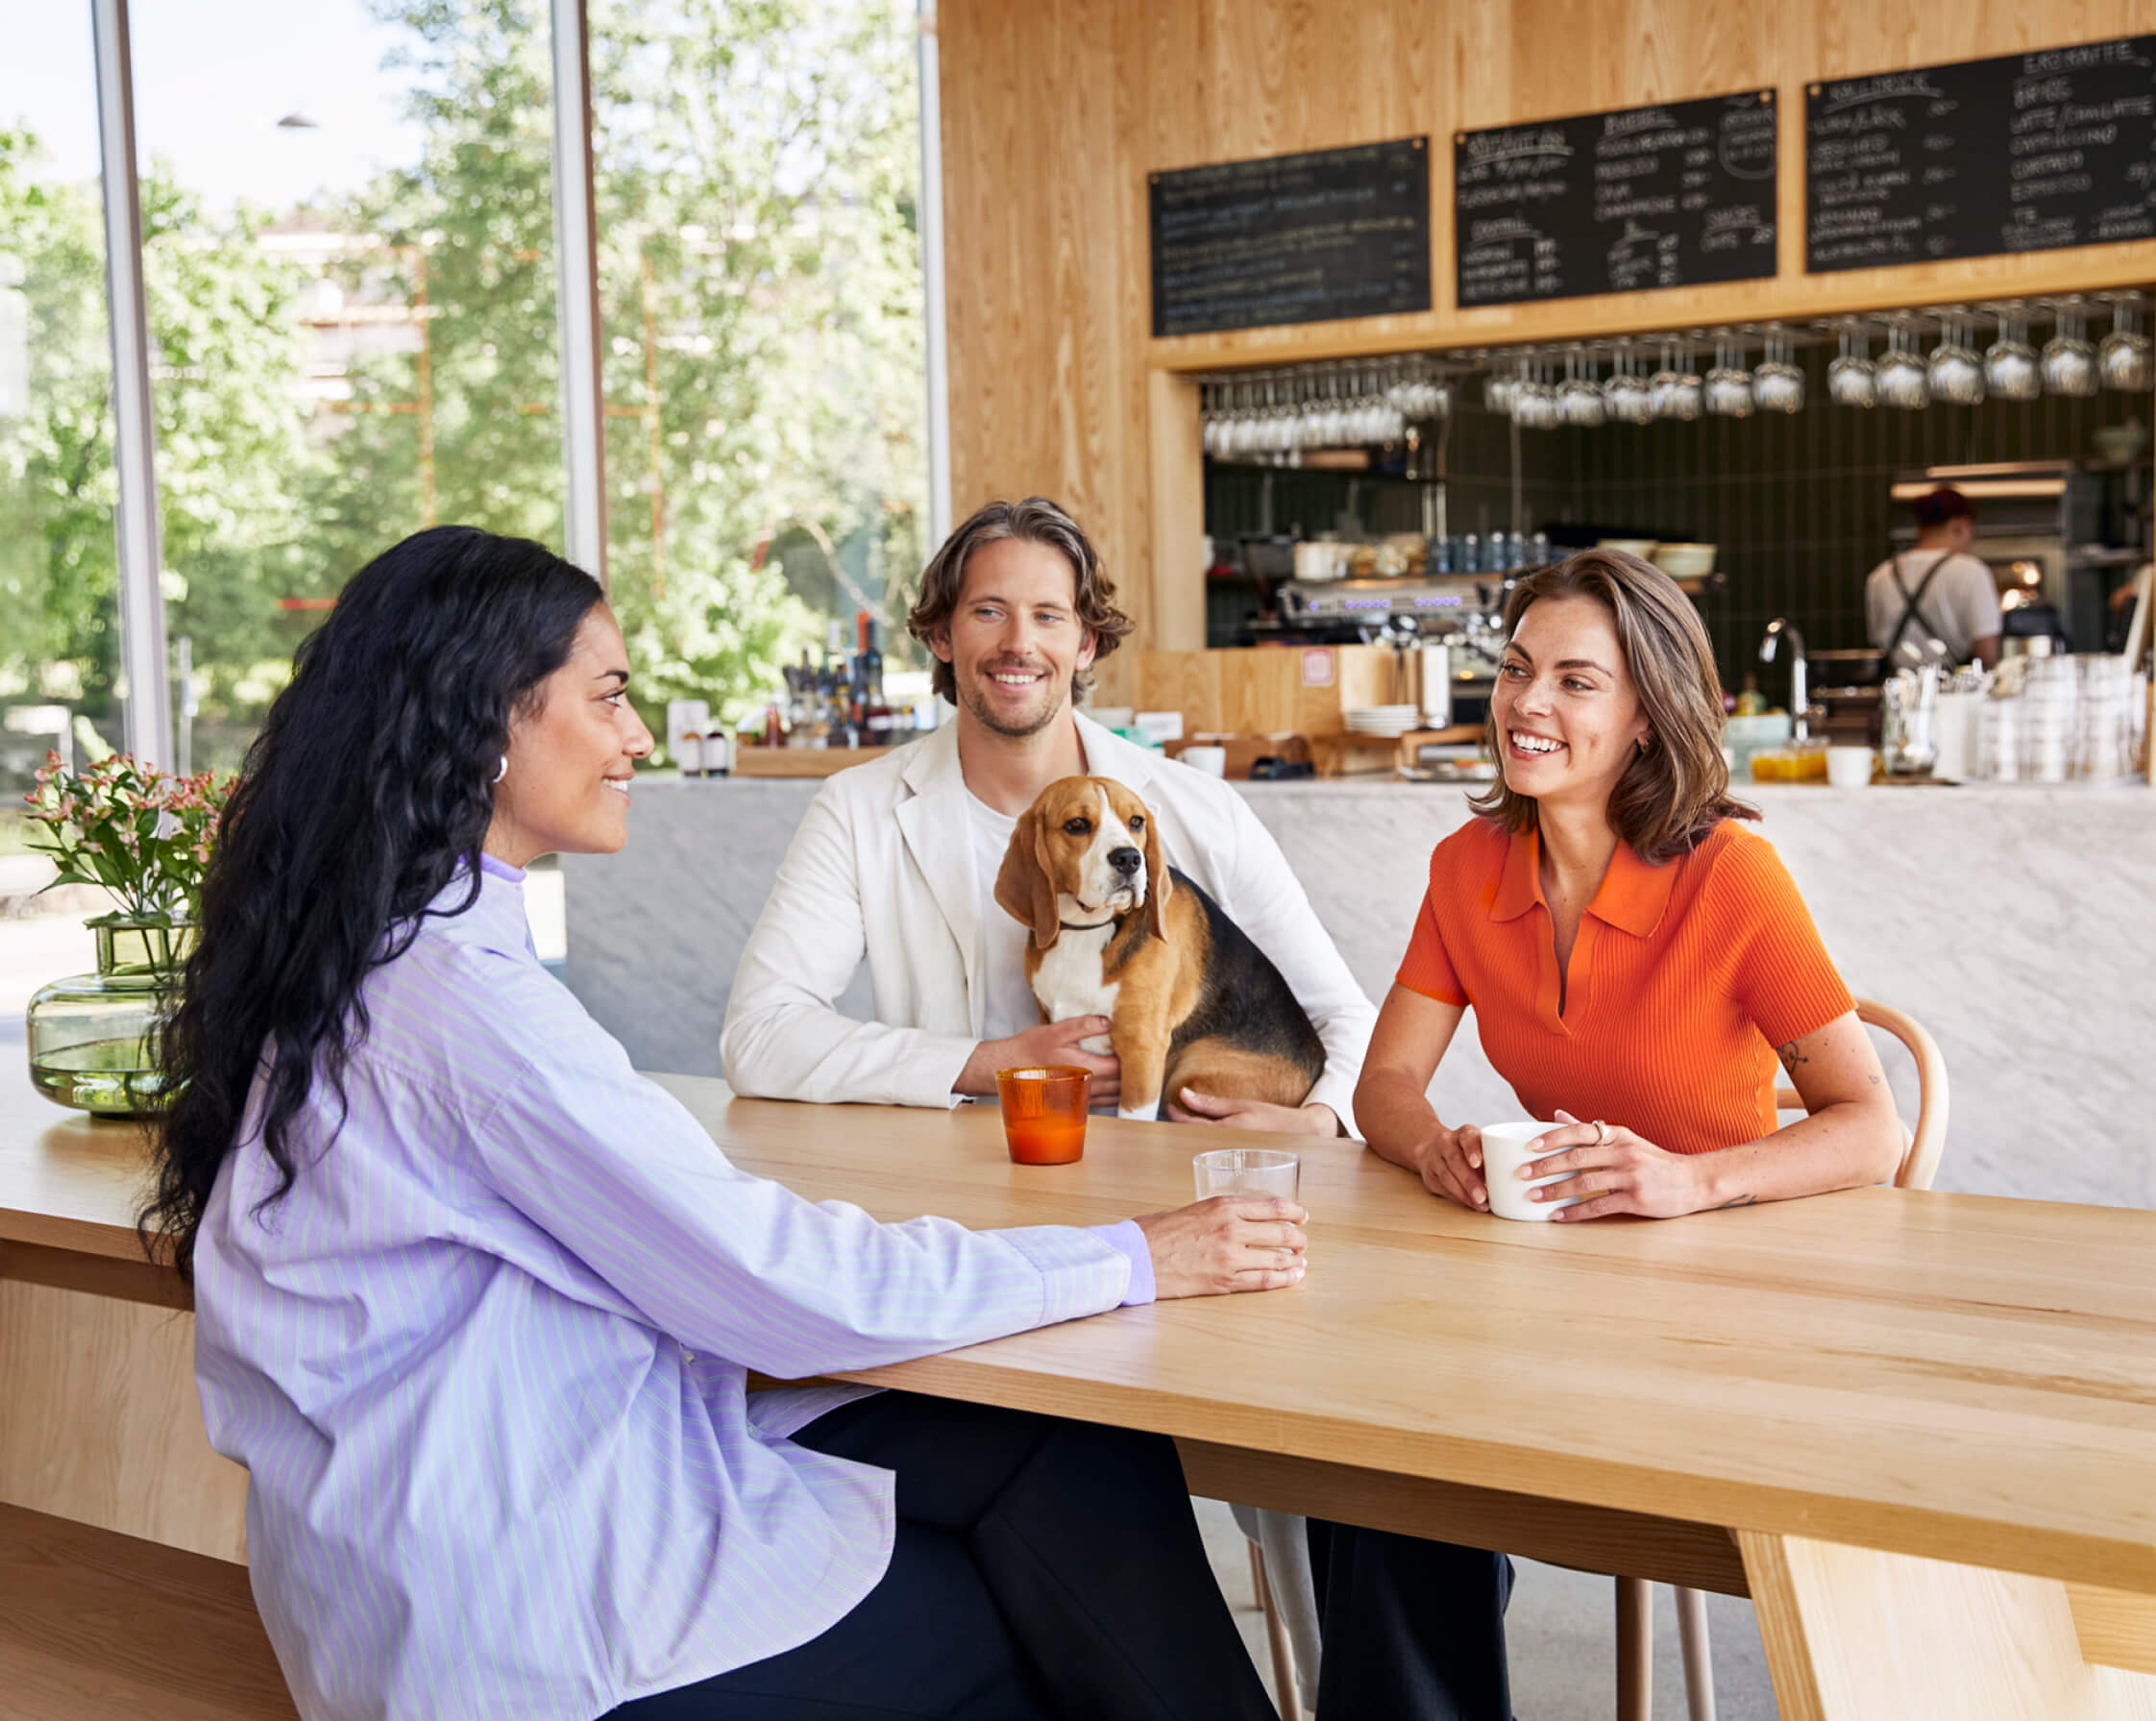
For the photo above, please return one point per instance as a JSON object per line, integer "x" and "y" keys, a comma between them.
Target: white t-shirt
{"x": 1961, "y": 608}
{"x": 1011, "y": 1005}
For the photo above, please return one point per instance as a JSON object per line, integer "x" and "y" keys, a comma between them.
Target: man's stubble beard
{"x": 970, "y": 697}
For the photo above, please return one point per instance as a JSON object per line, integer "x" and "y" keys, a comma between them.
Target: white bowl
{"x": 1643, "y": 547}
{"x": 1685, "y": 561}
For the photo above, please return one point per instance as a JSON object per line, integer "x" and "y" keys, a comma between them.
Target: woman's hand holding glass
{"x": 1613, "y": 1171}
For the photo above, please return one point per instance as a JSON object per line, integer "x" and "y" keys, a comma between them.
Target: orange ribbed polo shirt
{"x": 1684, "y": 979}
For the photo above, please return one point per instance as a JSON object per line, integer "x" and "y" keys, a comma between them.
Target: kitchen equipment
{"x": 1908, "y": 701}
{"x": 1436, "y": 685}
{"x": 1643, "y": 547}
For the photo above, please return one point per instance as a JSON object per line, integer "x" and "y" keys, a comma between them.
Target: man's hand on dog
{"x": 1309, "y": 1120}
{"x": 1052, "y": 1042}
{"x": 1229, "y": 1243}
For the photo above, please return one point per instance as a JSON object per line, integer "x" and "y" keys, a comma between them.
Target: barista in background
{"x": 1937, "y": 591}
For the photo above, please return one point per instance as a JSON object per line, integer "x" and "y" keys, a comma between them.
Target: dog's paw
{"x": 1142, "y": 1114}
{"x": 1100, "y": 1044}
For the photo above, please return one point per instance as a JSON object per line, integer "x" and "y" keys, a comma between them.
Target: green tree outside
{"x": 760, "y": 275}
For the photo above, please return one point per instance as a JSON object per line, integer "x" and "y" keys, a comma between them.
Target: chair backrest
{"x": 1920, "y": 1159}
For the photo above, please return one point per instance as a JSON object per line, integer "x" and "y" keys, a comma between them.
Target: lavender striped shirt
{"x": 485, "y": 1362}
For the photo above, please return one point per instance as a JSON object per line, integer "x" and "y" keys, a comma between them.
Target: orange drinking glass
{"x": 1043, "y": 1113}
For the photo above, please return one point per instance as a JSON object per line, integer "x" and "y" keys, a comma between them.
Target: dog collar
{"x": 1093, "y": 926}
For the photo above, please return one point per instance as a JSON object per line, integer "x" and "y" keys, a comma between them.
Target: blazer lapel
{"x": 937, "y": 826}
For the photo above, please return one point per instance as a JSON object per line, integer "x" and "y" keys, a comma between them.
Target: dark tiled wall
{"x": 1796, "y": 503}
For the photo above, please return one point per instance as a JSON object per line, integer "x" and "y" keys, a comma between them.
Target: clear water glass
{"x": 1248, "y": 1171}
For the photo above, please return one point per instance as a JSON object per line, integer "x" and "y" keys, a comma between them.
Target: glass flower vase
{"x": 95, "y": 1038}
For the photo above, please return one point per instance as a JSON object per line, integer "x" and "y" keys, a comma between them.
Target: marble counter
{"x": 2018, "y": 924}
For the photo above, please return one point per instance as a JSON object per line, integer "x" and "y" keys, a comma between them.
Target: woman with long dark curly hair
{"x": 475, "y": 1303}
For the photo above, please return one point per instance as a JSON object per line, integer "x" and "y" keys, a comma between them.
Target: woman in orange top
{"x": 1634, "y": 956}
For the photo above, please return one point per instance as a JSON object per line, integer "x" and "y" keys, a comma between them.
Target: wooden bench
{"x": 95, "y": 1626}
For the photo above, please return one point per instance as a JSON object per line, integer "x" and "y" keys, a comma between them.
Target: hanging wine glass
{"x": 1626, "y": 394}
{"x": 1728, "y": 385}
{"x": 2010, "y": 363}
{"x": 1501, "y": 386}
{"x": 2069, "y": 362}
{"x": 1580, "y": 401}
{"x": 1679, "y": 392}
{"x": 1778, "y": 386}
{"x": 1850, "y": 380}
{"x": 2124, "y": 359}
{"x": 1903, "y": 382}
{"x": 1954, "y": 373}
{"x": 1535, "y": 405}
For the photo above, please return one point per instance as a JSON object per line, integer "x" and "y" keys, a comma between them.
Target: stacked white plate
{"x": 1382, "y": 720}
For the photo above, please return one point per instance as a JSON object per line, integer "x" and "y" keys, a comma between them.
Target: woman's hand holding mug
{"x": 1451, "y": 1164}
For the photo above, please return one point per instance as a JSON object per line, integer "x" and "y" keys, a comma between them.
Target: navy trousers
{"x": 1413, "y": 1630}
{"x": 1044, "y": 1569}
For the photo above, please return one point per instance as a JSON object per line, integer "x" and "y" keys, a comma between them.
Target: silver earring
{"x": 502, "y": 770}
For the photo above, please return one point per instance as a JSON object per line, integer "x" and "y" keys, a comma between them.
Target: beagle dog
{"x": 1117, "y": 932}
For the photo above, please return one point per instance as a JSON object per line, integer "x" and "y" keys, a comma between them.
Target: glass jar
{"x": 93, "y": 1038}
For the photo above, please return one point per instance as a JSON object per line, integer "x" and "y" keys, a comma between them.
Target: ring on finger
{"x": 1602, "y": 1133}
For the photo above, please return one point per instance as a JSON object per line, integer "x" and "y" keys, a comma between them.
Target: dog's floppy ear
{"x": 1156, "y": 878}
{"x": 1022, "y": 887}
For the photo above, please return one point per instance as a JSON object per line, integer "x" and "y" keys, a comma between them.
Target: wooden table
{"x": 1918, "y": 1430}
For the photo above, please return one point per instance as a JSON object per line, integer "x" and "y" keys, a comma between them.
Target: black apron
{"x": 1911, "y": 607}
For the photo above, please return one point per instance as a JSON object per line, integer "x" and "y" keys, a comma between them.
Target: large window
{"x": 60, "y": 640}
{"x": 757, "y": 168}
{"x": 349, "y": 243}
{"x": 348, "y": 246}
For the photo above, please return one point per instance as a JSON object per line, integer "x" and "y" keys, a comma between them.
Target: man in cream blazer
{"x": 893, "y": 861}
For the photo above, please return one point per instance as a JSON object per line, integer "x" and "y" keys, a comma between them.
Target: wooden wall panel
{"x": 1054, "y": 112}
{"x": 104, "y": 1425}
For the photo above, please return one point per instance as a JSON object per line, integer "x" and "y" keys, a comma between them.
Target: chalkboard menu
{"x": 2028, "y": 152}
{"x": 1673, "y": 195}
{"x": 1309, "y": 239}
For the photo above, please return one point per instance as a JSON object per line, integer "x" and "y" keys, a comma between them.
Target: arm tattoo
{"x": 1791, "y": 1057}
{"x": 1876, "y": 1080}
{"x": 1735, "y": 1201}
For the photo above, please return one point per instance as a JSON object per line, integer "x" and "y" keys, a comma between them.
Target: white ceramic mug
{"x": 1211, "y": 760}
{"x": 1504, "y": 1151}
{"x": 1849, "y": 766}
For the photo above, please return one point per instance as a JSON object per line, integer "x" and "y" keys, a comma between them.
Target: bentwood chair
{"x": 1635, "y": 1597}
{"x": 1292, "y": 1616}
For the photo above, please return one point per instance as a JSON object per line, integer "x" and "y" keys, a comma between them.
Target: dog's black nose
{"x": 1125, "y": 860}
